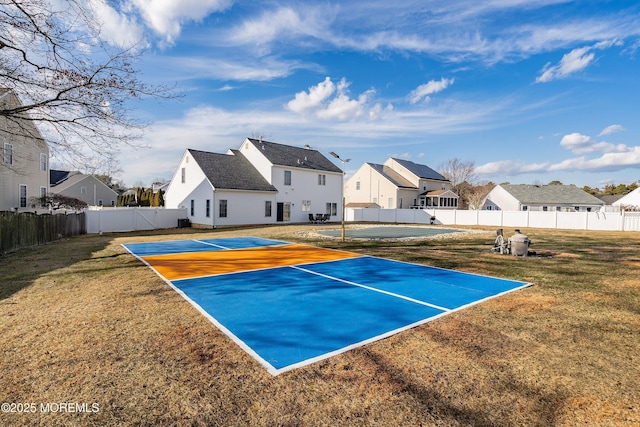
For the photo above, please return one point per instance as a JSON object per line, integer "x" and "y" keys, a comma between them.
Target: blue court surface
{"x": 289, "y": 305}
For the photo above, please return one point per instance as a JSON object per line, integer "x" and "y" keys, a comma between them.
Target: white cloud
{"x": 509, "y": 168}
{"x": 230, "y": 68}
{"x": 612, "y": 158}
{"x": 607, "y": 162}
{"x": 282, "y": 23}
{"x": 115, "y": 27}
{"x": 572, "y": 62}
{"x": 317, "y": 94}
{"x": 166, "y": 17}
{"x": 327, "y": 101}
{"x": 583, "y": 144}
{"x": 611, "y": 129}
{"x": 424, "y": 91}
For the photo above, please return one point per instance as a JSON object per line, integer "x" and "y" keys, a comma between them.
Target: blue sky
{"x": 529, "y": 90}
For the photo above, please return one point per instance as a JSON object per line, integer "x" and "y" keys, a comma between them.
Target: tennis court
{"x": 289, "y": 305}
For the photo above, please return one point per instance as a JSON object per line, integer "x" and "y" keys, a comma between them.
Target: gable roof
{"x": 295, "y": 157}
{"x": 56, "y": 176}
{"x": 609, "y": 199}
{"x": 559, "y": 194}
{"x": 230, "y": 171}
{"x": 65, "y": 179}
{"x": 394, "y": 177}
{"x": 421, "y": 171}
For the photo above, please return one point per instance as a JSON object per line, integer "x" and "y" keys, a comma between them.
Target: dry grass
{"x": 82, "y": 321}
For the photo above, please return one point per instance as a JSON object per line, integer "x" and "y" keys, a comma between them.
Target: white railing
{"x": 132, "y": 219}
{"x": 612, "y": 221}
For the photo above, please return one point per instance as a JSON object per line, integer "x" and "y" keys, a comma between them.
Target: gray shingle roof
{"x": 286, "y": 155}
{"x": 230, "y": 171}
{"x": 421, "y": 171}
{"x": 393, "y": 176}
{"x": 557, "y": 194}
{"x": 57, "y": 176}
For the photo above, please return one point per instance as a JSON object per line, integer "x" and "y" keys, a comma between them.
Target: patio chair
{"x": 312, "y": 219}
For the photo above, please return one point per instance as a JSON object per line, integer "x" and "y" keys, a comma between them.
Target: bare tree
{"x": 478, "y": 193}
{"x": 461, "y": 174}
{"x": 75, "y": 86}
{"x": 458, "y": 171}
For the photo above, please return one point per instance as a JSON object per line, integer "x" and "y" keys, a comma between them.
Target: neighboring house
{"x": 630, "y": 200}
{"x": 83, "y": 187}
{"x": 24, "y": 164}
{"x": 400, "y": 184}
{"x": 261, "y": 183}
{"x": 523, "y": 197}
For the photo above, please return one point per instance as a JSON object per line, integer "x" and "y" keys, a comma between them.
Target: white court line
{"x": 210, "y": 244}
{"x": 447, "y": 310}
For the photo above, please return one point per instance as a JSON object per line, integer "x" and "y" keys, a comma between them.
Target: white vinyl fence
{"x": 132, "y": 219}
{"x": 612, "y": 221}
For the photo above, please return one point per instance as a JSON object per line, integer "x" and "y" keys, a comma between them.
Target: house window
{"x": 267, "y": 208}
{"x": 43, "y": 162}
{"x": 23, "y": 196}
{"x": 332, "y": 209}
{"x": 193, "y": 207}
{"x": 207, "y": 208}
{"x": 306, "y": 206}
{"x": 43, "y": 195}
{"x": 223, "y": 208}
{"x": 524, "y": 208}
{"x": 322, "y": 179}
{"x": 558, "y": 208}
{"x": 8, "y": 153}
{"x": 83, "y": 190}
{"x": 287, "y": 177}
{"x": 184, "y": 175}
{"x": 357, "y": 185}
{"x": 100, "y": 203}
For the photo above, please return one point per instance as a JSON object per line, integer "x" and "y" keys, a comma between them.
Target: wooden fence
{"x": 22, "y": 230}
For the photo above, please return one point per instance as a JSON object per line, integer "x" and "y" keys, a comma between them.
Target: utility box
{"x": 519, "y": 244}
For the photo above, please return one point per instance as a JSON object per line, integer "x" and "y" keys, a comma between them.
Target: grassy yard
{"x": 84, "y": 322}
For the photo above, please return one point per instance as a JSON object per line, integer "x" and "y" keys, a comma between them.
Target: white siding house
{"x": 83, "y": 187}
{"x": 261, "y": 183}
{"x": 24, "y": 161}
{"x": 523, "y": 197}
{"x": 399, "y": 184}
{"x": 630, "y": 200}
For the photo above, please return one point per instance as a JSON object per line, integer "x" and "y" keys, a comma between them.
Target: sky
{"x": 529, "y": 90}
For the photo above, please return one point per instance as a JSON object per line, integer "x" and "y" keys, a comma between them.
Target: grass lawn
{"x": 87, "y": 327}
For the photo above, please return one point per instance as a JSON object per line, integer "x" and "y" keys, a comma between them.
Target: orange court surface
{"x": 196, "y": 264}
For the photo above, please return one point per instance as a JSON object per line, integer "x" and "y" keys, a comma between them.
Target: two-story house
{"x": 399, "y": 184}
{"x": 83, "y": 187}
{"x": 260, "y": 183}
{"x": 24, "y": 163}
